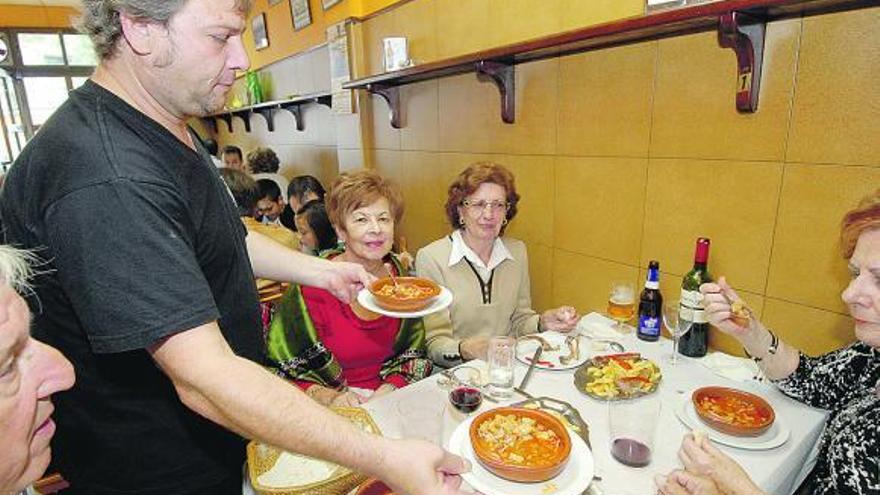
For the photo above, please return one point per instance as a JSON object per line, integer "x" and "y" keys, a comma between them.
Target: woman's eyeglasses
{"x": 481, "y": 205}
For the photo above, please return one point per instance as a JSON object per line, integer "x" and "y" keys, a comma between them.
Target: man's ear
{"x": 139, "y": 34}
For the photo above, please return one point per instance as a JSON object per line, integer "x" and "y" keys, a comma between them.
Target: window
{"x": 40, "y": 49}
{"x": 79, "y": 50}
{"x": 44, "y": 95}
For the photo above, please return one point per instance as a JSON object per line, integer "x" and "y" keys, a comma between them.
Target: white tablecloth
{"x": 777, "y": 471}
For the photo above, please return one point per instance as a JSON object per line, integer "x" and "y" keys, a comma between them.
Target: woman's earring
{"x": 461, "y": 221}
{"x": 504, "y": 222}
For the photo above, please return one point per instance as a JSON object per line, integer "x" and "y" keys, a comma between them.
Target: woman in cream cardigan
{"x": 487, "y": 273}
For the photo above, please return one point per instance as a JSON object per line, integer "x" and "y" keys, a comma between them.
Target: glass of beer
{"x": 622, "y": 304}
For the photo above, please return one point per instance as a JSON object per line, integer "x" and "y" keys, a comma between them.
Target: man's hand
{"x": 416, "y": 467}
{"x": 344, "y": 280}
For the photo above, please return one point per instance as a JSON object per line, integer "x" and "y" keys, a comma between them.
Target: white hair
{"x": 16, "y": 267}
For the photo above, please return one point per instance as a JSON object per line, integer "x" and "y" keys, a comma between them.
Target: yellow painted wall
{"x": 27, "y": 16}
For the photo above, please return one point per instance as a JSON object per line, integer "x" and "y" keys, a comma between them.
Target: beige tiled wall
{"x": 628, "y": 154}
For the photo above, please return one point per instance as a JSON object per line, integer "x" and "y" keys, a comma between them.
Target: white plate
{"x": 526, "y": 349}
{"x": 775, "y": 436}
{"x": 573, "y": 480}
{"x": 442, "y": 301}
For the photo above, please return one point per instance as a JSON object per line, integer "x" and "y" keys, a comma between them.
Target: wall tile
{"x": 599, "y": 207}
{"x": 463, "y": 26}
{"x": 541, "y": 276}
{"x": 814, "y": 331}
{"x": 534, "y": 183}
{"x": 350, "y": 160}
{"x": 379, "y": 133}
{"x": 424, "y": 179}
{"x": 523, "y": 20}
{"x": 694, "y": 112}
{"x": 605, "y": 101}
{"x": 733, "y": 203}
{"x": 836, "y": 115}
{"x": 418, "y": 22}
{"x": 421, "y": 115}
{"x": 373, "y": 30}
{"x": 578, "y": 13}
{"x": 806, "y": 266}
{"x": 467, "y": 110}
{"x": 584, "y": 282}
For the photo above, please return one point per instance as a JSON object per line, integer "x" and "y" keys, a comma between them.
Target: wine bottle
{"x": 651, "y": 305}
{"x": 695, "y": 343}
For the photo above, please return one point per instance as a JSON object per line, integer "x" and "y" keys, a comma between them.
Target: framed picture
{"x": 329, "y": 3}
{"x": 261, "y": 37}
{"x": 301, "y": 15}
{"x": 273, "y": 2}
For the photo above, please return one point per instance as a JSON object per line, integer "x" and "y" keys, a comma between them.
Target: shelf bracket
{"x": 744, "y": 34}
{"x": 267, "y": 114}
{"x": 504, "y": 77}
{"x": 226, "y": 117}
{"x": 245, "y": 116}
{"x": 326, "y": 100}
{"x": 391, "y": 95}
{"x": 295, "y": 109}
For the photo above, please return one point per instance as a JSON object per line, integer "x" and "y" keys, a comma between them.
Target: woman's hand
{"x": 474, "y": 348}
{"x": 562, "y": 319}
{"x": 385, "y": 388}
{"x": 717, "y": 299}
{"x": 701, "y": 458}
{"x": 682, "y": 483}
{"x": 347, "y": 398}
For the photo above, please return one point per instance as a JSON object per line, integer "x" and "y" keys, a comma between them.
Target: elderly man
{"x": 30, "y": 372}
{"x": 150, "y": 288}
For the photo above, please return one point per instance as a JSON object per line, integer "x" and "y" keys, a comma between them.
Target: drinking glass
{"x": 502, "y": 357}
{"x": 675, "y": 325}
{"x": 633, "y": 426}
{"x": 622, "y": 304}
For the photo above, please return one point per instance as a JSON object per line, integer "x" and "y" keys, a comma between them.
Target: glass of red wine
{"x": 466, "y": 399}
{"x": 633, "y": 425}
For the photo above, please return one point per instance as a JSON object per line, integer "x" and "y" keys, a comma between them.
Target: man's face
{"x": 296, "y": 204}
{"x": 30, "y": 372}
{"x": 268, "y": 209}
{"x": 195, "y": 57}
{"x": 233, "y": 161}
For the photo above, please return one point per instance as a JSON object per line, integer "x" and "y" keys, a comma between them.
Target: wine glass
{"x": 676, "y": 326}
{"x": 622, "y": 304}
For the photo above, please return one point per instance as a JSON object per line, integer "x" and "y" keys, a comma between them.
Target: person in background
{"x": 232, "y": 158}
{"x": 342, "y": 354}
{"x": 157, "y": 308}
{"x": 211, "y": 147}
{"x": 247, "y": 194}
{"x": 488, "y": 273}
{"x": 845, "y": 382}
{"x": 316, "y": 231}
{"x": 264, "y": 164}
{"x": 302, "y": 189}
{"x": 270, "y": 202}
{"x": 30, "y": 372}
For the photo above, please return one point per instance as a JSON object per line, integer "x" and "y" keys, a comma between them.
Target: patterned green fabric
{"x": 297, "y": 353}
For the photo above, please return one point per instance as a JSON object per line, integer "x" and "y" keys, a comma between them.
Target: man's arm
{"x": 273, "y": 261}
{"x": 243, "y": 397}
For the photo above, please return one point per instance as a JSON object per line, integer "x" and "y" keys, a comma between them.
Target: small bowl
{"x": 393, "y": 303}
{"x": 515, "y": 472}
{"x": 725, "y": 425}
{"x": 374, "y": 487}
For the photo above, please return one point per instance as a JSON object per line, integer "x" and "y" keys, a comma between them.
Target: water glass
{"x": 633, "y": 426}
{"x": 676, "y": 326}
{"x": 502, "y": 357}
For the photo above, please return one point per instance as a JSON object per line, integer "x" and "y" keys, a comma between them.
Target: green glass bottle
{"x": 255, "y": 89}
{"x": 695, "y": 343}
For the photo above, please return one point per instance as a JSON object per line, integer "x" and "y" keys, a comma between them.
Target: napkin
{"x": 597, "y": 326}
{"x": 734, "y": 368}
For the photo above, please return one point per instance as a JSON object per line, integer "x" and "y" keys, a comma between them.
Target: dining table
{"x": 777, "y": 469}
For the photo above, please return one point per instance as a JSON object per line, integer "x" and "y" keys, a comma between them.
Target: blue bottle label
{"x": 649, "y": 326}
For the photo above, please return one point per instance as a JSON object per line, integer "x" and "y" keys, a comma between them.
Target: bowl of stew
{"x": 733, "y": 411}
{"x": 518, "y": 444}
{"x": 408, "y": 294}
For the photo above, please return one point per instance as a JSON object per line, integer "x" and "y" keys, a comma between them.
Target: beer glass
{"x": 622, "y": 304}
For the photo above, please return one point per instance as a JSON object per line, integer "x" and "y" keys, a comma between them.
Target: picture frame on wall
{"x": 302, "y": 16}
{"x": 261, "y": 36}
{"x": 329, "y": 3}
{"x": 274, "y": 2}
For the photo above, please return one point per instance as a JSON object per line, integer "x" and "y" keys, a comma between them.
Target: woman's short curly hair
{"x": 470, "y": 179}
{"x": 263, "y": 161}
{"x": 100, "y": 18}
{"x": 866, "y": 216}
{"x": 355, "y": 190}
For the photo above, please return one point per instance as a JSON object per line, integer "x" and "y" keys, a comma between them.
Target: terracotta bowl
{"x": 726, "y": 425}
{"x": 374, "y": 487}
{"x": 517, "y": 472}
{"x": 393, "y": 303}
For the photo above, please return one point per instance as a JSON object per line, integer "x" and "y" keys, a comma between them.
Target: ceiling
{"x": 70, "y": 3}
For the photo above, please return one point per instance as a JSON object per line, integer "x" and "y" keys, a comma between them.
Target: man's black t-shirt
{"x": 142, "y": 240}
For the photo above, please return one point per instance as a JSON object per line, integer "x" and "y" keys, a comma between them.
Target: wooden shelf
{"x": 268, "y": 109}
{"x": 740, "y": 24}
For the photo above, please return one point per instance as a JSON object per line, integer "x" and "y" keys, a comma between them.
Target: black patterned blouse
{"x": 845, "y": 382}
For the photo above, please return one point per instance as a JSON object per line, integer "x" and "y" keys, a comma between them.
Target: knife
{"x": 535, "y": 358}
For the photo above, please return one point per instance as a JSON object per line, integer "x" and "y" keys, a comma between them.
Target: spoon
{"x": 391, "y": 274}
